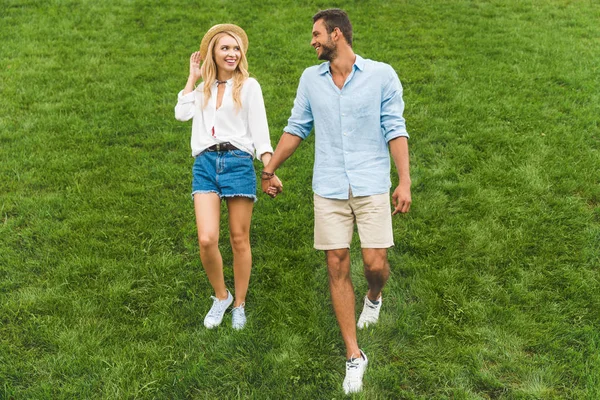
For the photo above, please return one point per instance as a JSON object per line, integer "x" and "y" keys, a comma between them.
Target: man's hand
{"x": 401, "y": 199}
{"x": 271, "y": 185}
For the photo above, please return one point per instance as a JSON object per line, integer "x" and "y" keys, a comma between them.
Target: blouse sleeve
{"x": 257, "y": 119}
{"x": 186, "y": 106}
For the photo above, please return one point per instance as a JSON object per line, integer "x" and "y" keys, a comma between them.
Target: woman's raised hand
{"x": 195, "y": 72}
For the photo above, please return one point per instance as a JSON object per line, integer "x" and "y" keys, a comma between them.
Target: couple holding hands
{"x": 356, "y": 108}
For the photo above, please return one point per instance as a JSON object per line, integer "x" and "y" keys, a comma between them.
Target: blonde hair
{"x": 209, "y": 69}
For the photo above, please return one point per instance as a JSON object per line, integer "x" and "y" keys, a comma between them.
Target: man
{"x": 356, "y": 108}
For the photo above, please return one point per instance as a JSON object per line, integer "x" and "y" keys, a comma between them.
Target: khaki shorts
{"x": 334, "y": 222}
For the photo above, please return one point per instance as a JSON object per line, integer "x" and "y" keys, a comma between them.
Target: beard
{"x": 328, "y": 51}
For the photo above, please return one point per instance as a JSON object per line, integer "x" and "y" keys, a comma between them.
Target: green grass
{"x": 494, "y": 291}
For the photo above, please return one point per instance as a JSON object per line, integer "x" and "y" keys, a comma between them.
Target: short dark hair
{"x": 336, "y": 18}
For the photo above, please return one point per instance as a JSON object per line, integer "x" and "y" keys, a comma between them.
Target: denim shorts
{"x": 226, "y": 173}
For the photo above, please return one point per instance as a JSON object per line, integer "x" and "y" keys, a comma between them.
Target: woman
{"x": 229, "y": 126}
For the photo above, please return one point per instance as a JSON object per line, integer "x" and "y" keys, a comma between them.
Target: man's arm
{"x": 285, "y": 148}
{"x": 401, "y": 197}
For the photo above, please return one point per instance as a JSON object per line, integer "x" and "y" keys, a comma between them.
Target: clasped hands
{"x": 270, "y": 184}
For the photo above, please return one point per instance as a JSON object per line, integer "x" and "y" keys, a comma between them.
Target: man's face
{"x": 321, "y": 41}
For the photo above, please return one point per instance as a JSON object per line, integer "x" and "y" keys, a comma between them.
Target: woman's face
{"x": 227, "y": 54}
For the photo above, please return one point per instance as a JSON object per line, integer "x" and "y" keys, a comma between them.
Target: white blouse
{"x": 247, "y": 129}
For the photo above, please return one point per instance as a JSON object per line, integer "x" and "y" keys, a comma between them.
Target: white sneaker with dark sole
{"x": 215, "y": 315}
{"x": 355, "y": 369}
{"x": 370, "y": 313}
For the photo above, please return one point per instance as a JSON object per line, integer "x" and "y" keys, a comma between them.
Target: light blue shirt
{"x": 352, "y": 127}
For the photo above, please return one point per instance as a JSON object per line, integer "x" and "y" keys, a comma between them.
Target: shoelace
{"x": 352, "y": 364}
{"x": 237, "y": 314}
{"x": 215, "y": 311}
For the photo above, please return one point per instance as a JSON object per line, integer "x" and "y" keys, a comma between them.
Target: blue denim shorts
{"x": 226, "y": 173}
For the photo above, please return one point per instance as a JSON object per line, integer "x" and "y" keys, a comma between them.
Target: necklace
{"x": 219, "y": 82}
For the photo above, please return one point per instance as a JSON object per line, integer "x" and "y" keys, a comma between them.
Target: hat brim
{"x": 218, "y": 29}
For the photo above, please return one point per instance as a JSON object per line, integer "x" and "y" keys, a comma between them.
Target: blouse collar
{"x": 228, "y": 82}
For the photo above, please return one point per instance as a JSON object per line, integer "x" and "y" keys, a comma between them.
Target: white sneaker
{"x": 238, "y": 317}
{"x": 215, "y": 315}
{"x": 355, "y": 369}
{"x": 370, "y": 313}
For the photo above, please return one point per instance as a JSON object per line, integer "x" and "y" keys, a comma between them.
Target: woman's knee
{"x": 240, "y": 242}
{"x": 208, "y": 241}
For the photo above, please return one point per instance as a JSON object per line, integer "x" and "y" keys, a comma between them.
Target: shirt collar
{"x": 323, "y": 68}
{"x": 358, "y": 63}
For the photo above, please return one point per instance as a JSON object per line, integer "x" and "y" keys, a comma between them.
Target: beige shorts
{"x": 334, "y": 222}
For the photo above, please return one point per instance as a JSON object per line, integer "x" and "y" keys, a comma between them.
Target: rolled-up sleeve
{"x": 186, "y": 106}
{"x": 257, "y": 120}
{"x": 393, "y": 124}
{"x": 301, "y": 120}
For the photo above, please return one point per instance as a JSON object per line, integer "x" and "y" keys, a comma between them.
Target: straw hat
{"x": 218, "y": 29}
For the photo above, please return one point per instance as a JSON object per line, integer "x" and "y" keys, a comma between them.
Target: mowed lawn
{"x": 494, "y": 292}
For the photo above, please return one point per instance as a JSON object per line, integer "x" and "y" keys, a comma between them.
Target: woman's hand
{"x": 195, "y": 72}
